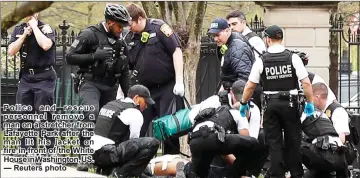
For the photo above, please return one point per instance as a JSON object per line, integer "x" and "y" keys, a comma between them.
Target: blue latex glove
{"x": 243, "y": 109}
{"x": 309, "y": 109}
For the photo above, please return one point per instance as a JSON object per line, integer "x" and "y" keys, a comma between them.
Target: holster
{"x": 76, "y": 82}
{"x": 133, "y": 78}
{"x": 220, "y": 133}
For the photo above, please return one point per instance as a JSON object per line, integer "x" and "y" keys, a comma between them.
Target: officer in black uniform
{"x": 102, "y": 59}
{"x": 219, "y": 130}
{"x": 118, "y": 149}
{"x": 37, "y": 79}
{"x": 280, "y": 70}
{"x": 157, "y": 63}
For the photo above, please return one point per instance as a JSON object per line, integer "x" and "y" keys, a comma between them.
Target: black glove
{"x": 103, "y": 54}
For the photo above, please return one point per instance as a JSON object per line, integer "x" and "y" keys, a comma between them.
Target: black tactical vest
{"x": 110, "y": 68}
{"x": 353, "y": 136}
{"x": 109, "y": 125}
{"x": 220, "y": 116}
{"x": 314, "y": 127}
{"x": 278, "y": 72}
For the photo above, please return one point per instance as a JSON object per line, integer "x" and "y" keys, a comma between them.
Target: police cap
{"x": 274, "y": 32}
{"x": 141, "y": 91}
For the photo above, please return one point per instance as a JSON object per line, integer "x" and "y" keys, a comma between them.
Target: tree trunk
{"x": 26, "y": 9}
{"x": 334, "y": 66}
{"x": 191, "y": 43}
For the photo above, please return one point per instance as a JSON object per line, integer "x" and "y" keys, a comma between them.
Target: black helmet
{"x": 304, "y": 57}
{"x": 117, "y": 13}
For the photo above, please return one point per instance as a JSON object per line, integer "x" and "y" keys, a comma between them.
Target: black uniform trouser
{"x": 204, "y": 149}
{"x": 323, "y": 163}
{"x": 256, "y": 97}
{"x": 129, "y": 158}
{"x": 36, "y": 90}
{"x": 164, "y": 97}
{"x": 96, "y": 94}
{"x": 279, "y": 115}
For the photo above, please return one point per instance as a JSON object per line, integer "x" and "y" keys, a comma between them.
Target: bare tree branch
{"x": 195, "y": 29}
{"x": 66, "y": 8}
{"x": 190, "y": 17}
{"x": 180, "y": 17}
{"x": 150, "y": 9}
{"x": 164, "y": 11}
{"x": 90, "y": 7}
{"x": 26, "y": 9}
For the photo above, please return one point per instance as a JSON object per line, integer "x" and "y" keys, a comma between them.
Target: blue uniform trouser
{"x": 36, "y": 90}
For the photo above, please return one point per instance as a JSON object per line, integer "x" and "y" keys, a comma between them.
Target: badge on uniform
{"x": 328, "y": 113}
{"x": 75, "y": 43}
{"x": 46, "y": 29}
{"x": 166, "y": 29}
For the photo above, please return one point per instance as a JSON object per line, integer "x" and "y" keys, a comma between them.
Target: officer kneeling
{"x": 116, "y": 141}
{"x": 216, "y": 132}
{"x": 322, "y": 152}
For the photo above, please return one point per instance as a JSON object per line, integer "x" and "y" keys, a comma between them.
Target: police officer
{"x": 116, "y": 141}
{"x": 237, "y": 23}
{"x": 340, "y": 119}
{"x": 102, "y": 60}
{"x": 280, "y": 71}
{"x": 36, "y": 42}
{"x": 157, "y": 63}
{"x": 222, "y": 128}
{"x": 323, "y": 151}
{"x": 238, "y": 56}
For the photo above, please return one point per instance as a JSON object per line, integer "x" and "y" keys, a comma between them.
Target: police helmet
{"x": 303, "y": 56}
{"x": 117, "y": 13}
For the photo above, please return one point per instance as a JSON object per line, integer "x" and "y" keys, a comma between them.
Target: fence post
{"x": 64, "y": 26}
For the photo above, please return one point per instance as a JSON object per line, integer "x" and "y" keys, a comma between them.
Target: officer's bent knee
{"x": 152, "y": 142}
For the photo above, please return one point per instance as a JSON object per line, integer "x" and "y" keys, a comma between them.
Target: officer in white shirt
{"x": 222, "y": 128}
{"x": 237, "y": 22}
{"x": 337, "y": 114}
{"x": 337, "y": 132}
{"x": 118, "y": 148}
{"x": 280, "y": 70}
{"x": 261, "y": 151}
{"x": 340, "y": 119}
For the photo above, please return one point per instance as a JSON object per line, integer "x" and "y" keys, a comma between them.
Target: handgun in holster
{"x": 220, "y": 133}
{"x": 133, "y": 77}
{"x": 77, "y": 82}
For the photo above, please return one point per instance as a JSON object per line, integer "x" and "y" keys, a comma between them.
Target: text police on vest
{"x": 106, "y": 112}
{"x": 277, "y": 72}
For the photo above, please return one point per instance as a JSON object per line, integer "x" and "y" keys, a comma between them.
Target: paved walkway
{"x": 12, "y": 170}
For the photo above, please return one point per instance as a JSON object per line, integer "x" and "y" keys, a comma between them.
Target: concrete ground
{"x": 8, "y": 171}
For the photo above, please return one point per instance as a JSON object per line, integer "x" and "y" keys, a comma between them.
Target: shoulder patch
{"x": 75, "y": 43}
{"x": 166, "y": 29}
{"x": 46, "y": 29}
{"x": 328, "y": 113}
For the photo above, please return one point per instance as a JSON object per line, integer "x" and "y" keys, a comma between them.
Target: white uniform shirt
{"x": 340, "y": 119}
{"x": 214, "y": 102}
{"x": 131, "y": 117}
{"x": 255, "y": 119}
{"x": 256, "y": 42}
{"x": 334, "y": 140}
{"x": 258, "y": 66}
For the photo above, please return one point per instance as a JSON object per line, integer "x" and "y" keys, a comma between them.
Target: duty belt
{"x": 204, "y": 131}
{"x": 324, "y": 144}
{"x": 33, "y": 71}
